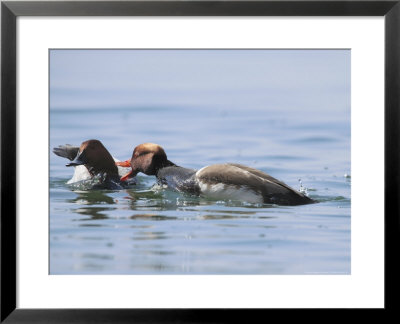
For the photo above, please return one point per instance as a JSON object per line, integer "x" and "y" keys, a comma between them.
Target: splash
{"x": 302, "y": 189}
{"x": 99, "y": 182}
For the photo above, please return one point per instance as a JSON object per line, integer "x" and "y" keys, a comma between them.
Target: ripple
{"x": 331, "y": 198}
{"x": 153, "y": 217}
{"x": 232, "y": 211}
{"x": 315, "y": 139}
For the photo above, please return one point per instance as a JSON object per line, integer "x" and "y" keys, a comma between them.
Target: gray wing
{"x": 261, "y": 174}
{"x": 66, "y": 151}
{"x": 273, "y": 190}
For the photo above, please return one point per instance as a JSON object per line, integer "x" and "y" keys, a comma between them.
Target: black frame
{"x": 10, "y": 10}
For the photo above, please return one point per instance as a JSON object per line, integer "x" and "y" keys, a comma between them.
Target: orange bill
{"x": 126, "y": 164}
{"x": 127, "y": 176}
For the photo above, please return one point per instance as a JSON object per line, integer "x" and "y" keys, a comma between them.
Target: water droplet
{"x": 303, "y": 189}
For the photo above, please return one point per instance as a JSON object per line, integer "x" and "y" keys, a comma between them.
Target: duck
{"x": 92, "y": 159}
{"x": 225, "y": 181}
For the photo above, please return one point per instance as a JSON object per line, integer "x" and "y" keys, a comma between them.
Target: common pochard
{"x": 92, "y": 159}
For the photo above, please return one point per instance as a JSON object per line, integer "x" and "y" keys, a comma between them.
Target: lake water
{"x": 232, "y": 115}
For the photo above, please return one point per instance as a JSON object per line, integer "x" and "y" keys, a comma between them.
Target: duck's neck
{"x": 110, "y": 170}
{"x": 165, "y": 164}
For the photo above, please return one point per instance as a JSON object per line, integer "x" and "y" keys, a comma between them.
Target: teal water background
{"x": 285, "y": 112}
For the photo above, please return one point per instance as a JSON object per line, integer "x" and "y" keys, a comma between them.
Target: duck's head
{"x": 95, "y": 157}
{"x": 147, "y": 158}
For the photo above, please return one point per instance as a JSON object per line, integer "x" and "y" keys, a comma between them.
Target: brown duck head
{"x": 147, "y": 158}
{"x": 95, "y": 157}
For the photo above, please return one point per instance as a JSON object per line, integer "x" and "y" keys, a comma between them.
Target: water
{"x": 297, "y": 129}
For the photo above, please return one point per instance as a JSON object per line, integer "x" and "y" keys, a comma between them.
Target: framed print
{"x": 185, "y": 161}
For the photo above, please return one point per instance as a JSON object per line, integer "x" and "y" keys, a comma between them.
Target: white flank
{"x": 227, "y": 192}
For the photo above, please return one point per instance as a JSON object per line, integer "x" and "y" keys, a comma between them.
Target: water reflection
{"x": 238, "y": 212}
{"x": 219, "y": 216}
{"x": 93, "y": 197}
{"x": 160, "y": 200}
{"x": 95, "y": 213}
{"x": 164, "y": 199}
{"x": 89, "y": 200}
{"x": 152, "y": 217}
{"x": 147, "y": 235}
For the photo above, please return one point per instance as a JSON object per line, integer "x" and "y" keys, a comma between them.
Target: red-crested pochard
{"x": 218, "y": 181}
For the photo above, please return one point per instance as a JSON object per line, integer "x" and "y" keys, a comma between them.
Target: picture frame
{"x": 10, "y": 10}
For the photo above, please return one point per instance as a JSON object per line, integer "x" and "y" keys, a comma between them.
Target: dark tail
{"x": 66, "y": 151}
{"x": 292, "y": 198}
